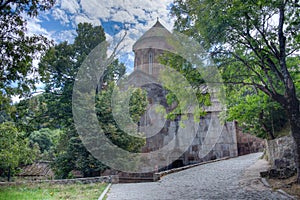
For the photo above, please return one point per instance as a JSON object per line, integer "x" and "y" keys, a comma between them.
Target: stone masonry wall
{"x": 212, "y": 144}
{"x": 211, "y": 140}
{"x": 281, "y": 156}
{"x": 248, "y": 143}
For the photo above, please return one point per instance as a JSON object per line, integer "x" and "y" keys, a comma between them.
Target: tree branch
{"x": 249, "y": 67}
{"x": 289, "y": 85}
{"x": 273, "y": 48}
{"x": 4, "y": 4}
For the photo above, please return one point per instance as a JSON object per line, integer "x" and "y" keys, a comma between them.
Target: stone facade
{"x": 213, "y": 145}
{"x": 147, "y": 61}
{"x": 280, "y": 153}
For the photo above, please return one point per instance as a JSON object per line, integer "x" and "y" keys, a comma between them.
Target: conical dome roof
{"x": 156, "y": 37}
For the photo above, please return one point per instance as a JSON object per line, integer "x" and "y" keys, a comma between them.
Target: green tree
{"x": 14, "y": 149}
{"x": 31, "y": 114}
{"x": 137, "y": 106}
{"x": 59, "y": 67}
{"x": 255, "y": 112}
{"x": 194, "y": 79}
{"x": 61, "y": 64}
{"x": 71, "y": 154}
{"x": 45, "y": 138}
{"x": 252, "y": 42}
{"x": 17, "y": 48}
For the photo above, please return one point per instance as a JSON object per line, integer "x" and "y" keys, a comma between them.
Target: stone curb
{"x": 266, "y": 184}
{"x": 286, "y": 194}
{"x": 104, "y": 192}
{"x": 157, "y": 176}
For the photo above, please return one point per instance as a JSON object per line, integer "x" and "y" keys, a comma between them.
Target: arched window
{"x": 150, "y": 62}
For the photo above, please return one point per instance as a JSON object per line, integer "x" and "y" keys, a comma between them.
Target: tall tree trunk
{"x": 291, "y": 101}
{"x": 294, "y": 119}
{"x": 8, "y": 174}
{"x": 297, "y": 152}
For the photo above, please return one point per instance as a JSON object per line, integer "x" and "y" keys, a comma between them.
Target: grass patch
{"x": 46, "y": 191}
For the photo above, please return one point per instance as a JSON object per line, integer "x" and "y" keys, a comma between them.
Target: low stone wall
{"x": 247, "y": 143}
{"x": 101, "y": 179}
{"x": 280, "y": 154}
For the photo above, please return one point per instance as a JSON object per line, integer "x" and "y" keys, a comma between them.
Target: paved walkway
{"x": 236, "y": 178}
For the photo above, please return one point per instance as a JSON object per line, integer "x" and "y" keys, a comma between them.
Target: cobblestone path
{"x": 226, "y": 179}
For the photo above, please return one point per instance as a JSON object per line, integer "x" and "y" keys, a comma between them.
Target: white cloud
{"x": 82, "y": 19}
{"x": 95, "y": 8}
{"x": 129, "y": 13}
{"x": 34, "y": 27}
{"x": 123, "y": 11}
{"x": 121, "y": 16}
{"x": 126, "y": 11}
{"x": 66, "y": 35}
{"x": 71, "y": 6}
{"x": 61, "y": 15}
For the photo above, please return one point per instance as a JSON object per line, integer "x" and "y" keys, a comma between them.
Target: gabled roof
{"x": 156, "y": 37}
{"x": 41, "y": 168}
{"x": 138, "y": 78}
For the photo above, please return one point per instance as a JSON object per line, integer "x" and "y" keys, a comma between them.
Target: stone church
{"x": 210, "y": 138}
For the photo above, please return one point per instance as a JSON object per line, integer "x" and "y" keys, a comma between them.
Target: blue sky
{"x": 137, "y": 16}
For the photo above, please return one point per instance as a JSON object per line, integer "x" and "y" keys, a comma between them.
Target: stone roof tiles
{"x": 156, "y": 37}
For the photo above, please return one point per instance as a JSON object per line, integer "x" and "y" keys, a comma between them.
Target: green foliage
{"x": 31, "y": 114}
{"x": 294, "y": 69}
{"x": 181, "y": 65}
{"x": 17, "y": 48}
{"x": 255, "y": 111}
{"x": 60, "y": 66}
{"x": 42, "y": 138}
{"x": 5, "y": 108}
{"x": 138, "y": 103}
{"x": 241, "y": 37}
{"x": 214, "y": 22}
{"x": 46, "y": 138}
{"x": 254, "y": 44}
{"x": 71, "y": 154}
{"x": 189, "y": 81}
{"x": 17, "y": 53}
{"x": 14, "y": 148}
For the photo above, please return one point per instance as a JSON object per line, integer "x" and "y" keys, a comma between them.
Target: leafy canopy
{"x": 18, "y": 49}
{"x": 14, "y": 148}
{"x": 249, "y": 40}
{"x": 254, "y": 43}
{"x": 59, "y": 67}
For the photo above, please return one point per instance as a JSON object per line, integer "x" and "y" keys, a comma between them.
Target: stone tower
{"x": 149, "y": 47}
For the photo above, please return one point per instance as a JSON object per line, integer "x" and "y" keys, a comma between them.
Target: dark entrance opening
{"x": 177, "y": 163}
